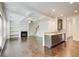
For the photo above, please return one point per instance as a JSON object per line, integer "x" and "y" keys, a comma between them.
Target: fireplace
{"x": 23, "y": 35}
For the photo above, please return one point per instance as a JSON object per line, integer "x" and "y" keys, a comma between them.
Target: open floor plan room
{"x": 39, "y": 29}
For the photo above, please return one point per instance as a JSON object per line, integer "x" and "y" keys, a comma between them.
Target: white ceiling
{"x": 44, "y": 8}
{"x": 64, "y": 8}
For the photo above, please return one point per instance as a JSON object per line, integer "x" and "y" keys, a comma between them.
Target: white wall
{"x": 43, "y": 27}
{"x": 76, "y": 28}
{"x": 73, "y": 27}
{"x": 69, "y": 28}
{"x": 17, "y": 26}
{"x": 52, "y": 25}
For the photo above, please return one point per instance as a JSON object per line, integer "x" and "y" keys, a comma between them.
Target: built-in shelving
{"x": 14, "y": 30}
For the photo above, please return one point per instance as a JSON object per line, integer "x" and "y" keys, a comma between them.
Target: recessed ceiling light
{"x": 75, "y": 11}
{"x": 61, "y": 15}
{"x": 53, "y": 10}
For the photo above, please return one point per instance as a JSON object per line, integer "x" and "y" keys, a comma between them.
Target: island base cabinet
{"x": 52, "y": 40}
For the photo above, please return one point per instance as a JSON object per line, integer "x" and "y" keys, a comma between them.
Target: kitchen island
{"x": 54, "y": 38}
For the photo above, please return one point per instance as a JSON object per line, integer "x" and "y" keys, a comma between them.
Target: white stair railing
{"x": 36, "y": 29}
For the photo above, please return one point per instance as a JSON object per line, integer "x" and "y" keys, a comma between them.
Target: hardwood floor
{"x": 36, "y": 47}
{"x": 70, "y": 50}
{"x": 16, "y": 48}
{"x": 26, "y": 48}
{"x": 33, "y": 48}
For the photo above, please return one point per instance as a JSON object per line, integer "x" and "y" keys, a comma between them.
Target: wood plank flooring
{"x": 36, "y": 47}
{"x": 26, "y": 48}
{"x": 33, "y": 48}
{"x": 70, "y": 50}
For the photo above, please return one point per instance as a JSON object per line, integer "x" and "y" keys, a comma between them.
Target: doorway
{"x": 69, "y": 29}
